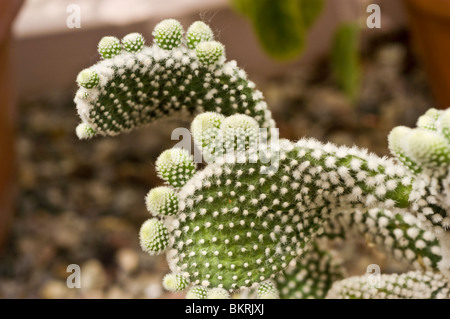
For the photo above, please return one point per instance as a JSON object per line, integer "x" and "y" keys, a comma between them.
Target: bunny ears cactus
{"x": 236, "y": 228}
{"x": 134, "y": 85}
{"x": 252, "y": 217}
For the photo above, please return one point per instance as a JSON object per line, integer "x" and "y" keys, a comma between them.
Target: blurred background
{"x": 335, "y": 74}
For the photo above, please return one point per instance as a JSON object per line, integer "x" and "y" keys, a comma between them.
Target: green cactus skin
{"x": 133, "y": 89}
{"x": 398, "y": 234}
{"x": 410, "y": 285}
{"x": 311, "y": 276}
{"x": 270, "y": 226}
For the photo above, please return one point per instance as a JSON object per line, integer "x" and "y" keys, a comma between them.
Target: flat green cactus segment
{"x": 140, "y": 88}
{"x": 399, "y": 235}
{"x": 410, "y": 285}
{"x": 281, "y": 26}
{"x": 311, "y": 276}
{"x": 237, "y": 226}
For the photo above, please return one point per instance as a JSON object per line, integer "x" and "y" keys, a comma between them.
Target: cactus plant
{"x": 175, "y": 76}
{"x": 252, "y": 217}
{"x": 221, "y": 238}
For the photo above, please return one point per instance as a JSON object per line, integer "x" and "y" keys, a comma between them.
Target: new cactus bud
{"x": 162, "y": 201}
{"x": 396, "y": 139}
{"x": 154, "y": 236}
{"x": 198, "y": 32}
{"x": 210, "y": 52}
{"x": 427, "y": 147}
{"x": 84, "y": 131}
{"x": 175, "y": 282}
{"x": 207, "y": 134}
{"x": 217, "y": 293}
{"x": 205, "y": 128}
{"x": 168, "y": 34}
{"x": 109, "y": 47}
{"x": 133, "y": 42}
{"x": 197, "y": 292}
{"x": 88, "y": 79}
{"x": 240, "y": 133}
{"x": 175, "y": 166}
{"x": 267, "y": 290}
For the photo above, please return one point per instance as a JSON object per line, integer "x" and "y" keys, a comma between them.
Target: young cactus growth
{"x": 175, "y": 167}
{"x": 138, "y": 85}
{"x": 208, "y": 53}
{"x": 109, "y": 47}
{"x": 168, "y": 34}
{"x": 198, "y": 32}
{"x": 88, "y": 79}
{"x": 197, "y": 292}
{"x": 175, "y": 282}
{"x": 162, "y": 201}
{"x": 84, "y": 131}
{"x": 154, "y": 237}
{"x": 267, "y": 290}
{"x": 133, "y": 42}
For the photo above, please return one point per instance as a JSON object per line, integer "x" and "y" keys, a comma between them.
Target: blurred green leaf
{"x": 345, "y": 58}
{"x": 310, "y": 10}
{"x": 280, "y": 25}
